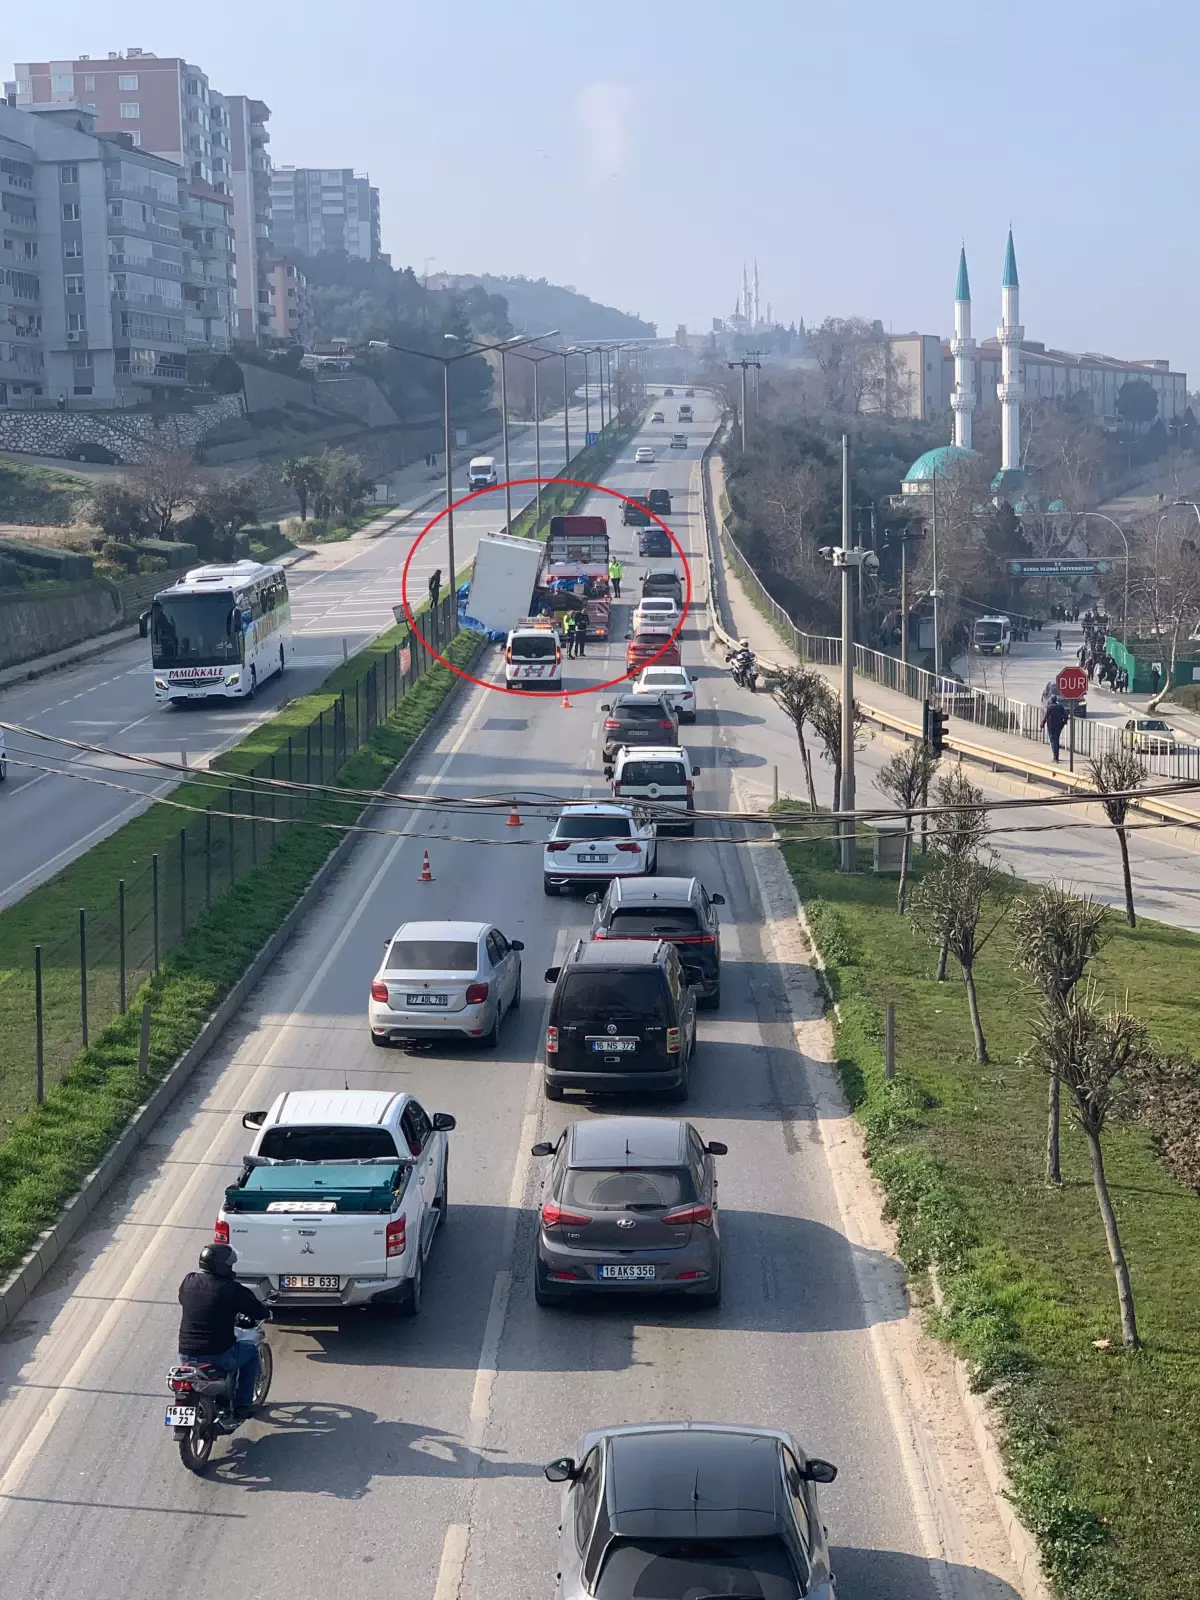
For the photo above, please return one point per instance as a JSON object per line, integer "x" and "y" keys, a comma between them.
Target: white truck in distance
{"x": 481, "y": 474}
{"x": 339, "y": 1199}
{"x": 502, "y": 581}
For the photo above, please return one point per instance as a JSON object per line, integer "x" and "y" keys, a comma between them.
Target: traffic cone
{"x": 566, "y": 704}
{"x": 514, "y": 817}
{"x": 426, "y": 870}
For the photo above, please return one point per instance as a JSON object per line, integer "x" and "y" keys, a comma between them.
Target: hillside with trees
{"x": 535, "y": 304}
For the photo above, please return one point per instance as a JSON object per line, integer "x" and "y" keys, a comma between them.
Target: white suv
{"x": 592, "y": 844}
{"x": 661, "y": 779}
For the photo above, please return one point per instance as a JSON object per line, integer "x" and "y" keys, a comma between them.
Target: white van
{"x": 662, "y": 778}
{"x": 533, "y": 655}
{"x": 481, "y": 474}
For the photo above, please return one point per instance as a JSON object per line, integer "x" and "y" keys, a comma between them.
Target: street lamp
{"x": 536, "y": 361}
{"x": 571, "y": 351}
{"x": 509, "y": 347}
{"x": 1104, "y": 517}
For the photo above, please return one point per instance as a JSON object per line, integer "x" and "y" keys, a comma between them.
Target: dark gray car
{"x": 639, "y": 719}
{"x": 691, "y": 1508}
{"x": 630, "y": 1204}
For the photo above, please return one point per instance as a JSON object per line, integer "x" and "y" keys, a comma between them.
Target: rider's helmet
{"x": 219, "y": 1259}
{"x": 743, "y": 644}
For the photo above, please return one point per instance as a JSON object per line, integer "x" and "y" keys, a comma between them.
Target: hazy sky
{"x": 641, "y": 150}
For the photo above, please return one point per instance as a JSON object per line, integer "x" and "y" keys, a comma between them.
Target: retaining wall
{"x": 126, "y": 434}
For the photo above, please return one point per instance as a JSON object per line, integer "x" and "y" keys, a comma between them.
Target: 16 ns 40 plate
{"x": 308, "y": 1280}
{"x": 627, "y": 1271}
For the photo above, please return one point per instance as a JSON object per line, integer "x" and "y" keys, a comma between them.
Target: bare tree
{"x": 960, "y": 827}
{"x": 1167, "y": 1103}
{"x": 166, "y": 479}
{"x": 1115, "y": 775}
{"x": 853, "y": 356}
{"x": 826, "y": 719}
{"x": 947, "y": 905}
{"x": 797, "y": 690}
{"x": 1056, "y": 934}
{"x": 905, "y": 780}
{"x": 1092, "y": 1054}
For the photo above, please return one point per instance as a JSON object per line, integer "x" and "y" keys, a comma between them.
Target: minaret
{"x": 745, "y": 292}
{"x": 1009, "y": 390}
{"x": 962, "y": 348}
{"x": 757, "y": 318}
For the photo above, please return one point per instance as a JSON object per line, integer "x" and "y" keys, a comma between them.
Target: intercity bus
{"x": 220, "y": 632}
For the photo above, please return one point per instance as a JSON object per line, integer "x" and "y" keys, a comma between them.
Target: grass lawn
{"x": 1104, "y": 1448}
{"x": 38, "y": 495}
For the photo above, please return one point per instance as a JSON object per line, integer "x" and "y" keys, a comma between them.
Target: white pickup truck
{"x": 339, "y": 1199}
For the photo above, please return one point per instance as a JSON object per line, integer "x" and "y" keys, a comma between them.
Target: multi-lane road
{"x": 405, "y": 1458}
{"x": 341, "y": 597}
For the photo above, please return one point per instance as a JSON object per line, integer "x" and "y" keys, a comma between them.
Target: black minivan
{"x": 622, "y": 1019}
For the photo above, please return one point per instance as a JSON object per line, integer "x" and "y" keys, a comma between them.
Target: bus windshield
{"x": 195, "y": 630}
{"x": 989, "y": 632}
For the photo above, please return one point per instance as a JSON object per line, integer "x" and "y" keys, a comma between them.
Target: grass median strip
{"x": 1103, "y": 1447}
{"x": 50, "y": 1149}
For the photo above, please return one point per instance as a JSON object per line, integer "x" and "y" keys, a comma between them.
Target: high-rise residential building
{"x": 289, "y": 302}
{"x": 162, "y": 102}
{"x": 119, "y": 263}
{"x": 324, "y": 209}
{"x": 245, "y": 122}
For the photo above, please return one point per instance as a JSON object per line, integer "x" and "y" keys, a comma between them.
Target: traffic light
{"x": 935, "y": 729}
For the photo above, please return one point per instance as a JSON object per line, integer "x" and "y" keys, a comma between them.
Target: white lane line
{"x": 184, "y": 1206}
{"x": 453, "y": 1564}
{"x": 489, "y": 1354}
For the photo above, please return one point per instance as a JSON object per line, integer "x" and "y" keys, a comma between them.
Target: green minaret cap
{"x": 963, "y": 291}
{"x": 1010, "y": 280}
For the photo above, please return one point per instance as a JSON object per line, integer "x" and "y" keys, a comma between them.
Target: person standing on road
{"x": 1155, "y": 676}
{"x": 615, "y": 571}
{"x": 1054, "y": 720}
{"x": 569, "y": 633}
{"x": 581, "y": 631}
{"x": 1058, "y": 642}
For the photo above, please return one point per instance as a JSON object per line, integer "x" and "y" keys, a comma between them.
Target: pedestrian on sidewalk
{"x": 615, "y": 570}
{"x": 1054, "y": 720}
{"x": 1058, "y": 641}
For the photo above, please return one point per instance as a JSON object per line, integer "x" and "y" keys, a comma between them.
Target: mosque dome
{"x": 937, "y": 463}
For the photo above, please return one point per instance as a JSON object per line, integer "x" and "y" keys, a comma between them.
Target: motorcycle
{"x": 743, "y": 668}
{"x": 203, "y": 1410}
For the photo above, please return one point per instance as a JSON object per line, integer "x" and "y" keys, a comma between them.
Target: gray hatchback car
{"x": 630, "y": 1203}
{"x": 691, "y": 1509}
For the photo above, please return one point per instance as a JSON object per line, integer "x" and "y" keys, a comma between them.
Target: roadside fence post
{"x": 274, "y": 795}
{"x": 183, "y": 883}
{"x": 154, "y": 904}
{"x": 321, "y": 724}
{"x": 307, "y": 757}
{"x": 121, "y": 937}
{"x": 83, "y": 994}
{"x": 39, "y": 1020}
{"x": 889, "y": 1042}
{"x": 357, "y": 715}
{"x": 338, "y": 765}
{"x": 253, "y": 829}
{"x": 232, "y": 840}
{"x": 208, "y": 857}
{"x": 144, "y": 1044}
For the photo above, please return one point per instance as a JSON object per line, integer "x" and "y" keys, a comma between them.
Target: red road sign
{"x": 1072, "y": 683}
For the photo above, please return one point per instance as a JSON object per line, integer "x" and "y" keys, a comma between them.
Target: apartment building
{"x": 289, "y": 302}
{"x": 119, "y": 264}
{"x": 245, "y": 123}
{"x": 318, "y": 209}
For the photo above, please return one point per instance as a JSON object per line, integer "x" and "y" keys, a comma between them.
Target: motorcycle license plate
{"x": 307, "y": 1280}
{"x": 181, "y": 1416}
{"x": 626, "y": 1272}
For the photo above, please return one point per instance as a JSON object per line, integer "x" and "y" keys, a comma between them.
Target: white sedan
{"x": 644, "y": 455}
{"x": 673, "y": 684}
{"x": 441, "y": 978}
{"x": 656, "y": 611}
{"x": 595, "y": 843}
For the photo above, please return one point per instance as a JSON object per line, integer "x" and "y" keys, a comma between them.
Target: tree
{"x": 342, "y": 486}
{"x": 797, "y": 691}
{"x": 905, "y": 780}
{"x": 1056, "y": 934}
{"x": 947, "y": 905}
{"x": 853, "y": 357}
{"x": 302, "y": 475}
{"x": 1137, "y": 402}
{"x": 1167, "y": 1103}
{"x": 166, "y": 478}
{"x": 119, "y": 511}
{"x": 229, "y": 505}
{"x": 960, "y": 827}
{"x": 826, "y": 721}
{"x": 1092, "y": 1054}
{"x": 1115, "y": 775}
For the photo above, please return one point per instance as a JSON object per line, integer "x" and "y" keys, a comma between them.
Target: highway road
{"x": 342, "y": 593}
{"x": 405, "y": 1458}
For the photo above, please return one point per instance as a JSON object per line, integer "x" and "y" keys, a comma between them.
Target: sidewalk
{"x": 1013, "y": 753}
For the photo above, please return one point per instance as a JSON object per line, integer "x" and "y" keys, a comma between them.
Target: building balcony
{"x": 151, "y": 372}
{"x": 151, "y": 265}
{"x": 10, "y": 180}
{"x": 16, "y": 221}
{"x": 117, "y": 188}
{"x": 157, "y": 302}
{"x": 146, "y": 230}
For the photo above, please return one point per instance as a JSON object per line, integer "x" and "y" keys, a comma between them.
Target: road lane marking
{"x": 453, "y": 1563}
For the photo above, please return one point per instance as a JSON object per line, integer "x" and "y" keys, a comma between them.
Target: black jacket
{"x": 209, "y": 1306}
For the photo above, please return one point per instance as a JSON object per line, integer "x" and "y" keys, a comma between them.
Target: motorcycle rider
{"x": 744, "y": 663}
{"x": 211, "y": 1299}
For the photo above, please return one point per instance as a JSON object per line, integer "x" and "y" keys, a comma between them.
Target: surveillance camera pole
{"x": 746, "y": 361}
{"x": 846, "y": 798}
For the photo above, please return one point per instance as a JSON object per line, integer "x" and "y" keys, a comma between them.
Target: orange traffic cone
{"x": 566, "y": 704}
{"x": 514, "y": 817}
{"x": 426, "y": 870}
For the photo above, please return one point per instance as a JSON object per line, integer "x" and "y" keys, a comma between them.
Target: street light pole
{"x": 746, "y": 361}
{"x": 566, "y": 411}
{"x": 935, "y": 592}
{"x": 587, "y": 399}
{"x": 504, "y": 429}
{"x": 446, "y": 451}
{"x": 1104, "y": 517}
{"x": 846, "y": 798}
{"x": 536, "y": 361}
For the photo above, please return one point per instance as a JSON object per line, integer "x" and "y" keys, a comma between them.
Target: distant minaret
{"x": 757, "y": 318}
{"x": 745, "y": 293}
{"x": 962, "y": 348}
{"x": 1009, "y": 390}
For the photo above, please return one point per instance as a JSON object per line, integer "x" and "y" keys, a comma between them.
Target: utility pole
{"x": 935, "y": 593}
{"x": 904, "y": 600}
{"x": 846, "y": 798}
{"x": 750, "y": 360}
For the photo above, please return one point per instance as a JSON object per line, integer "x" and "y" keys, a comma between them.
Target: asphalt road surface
{"x": 344, "y": 593}
{"x": 405, "y": 1458}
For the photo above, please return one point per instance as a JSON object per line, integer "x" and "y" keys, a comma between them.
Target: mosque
{"x": 1011, "y": 483}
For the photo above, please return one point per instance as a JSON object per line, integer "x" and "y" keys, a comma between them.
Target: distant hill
{"x": 534, "y": 304}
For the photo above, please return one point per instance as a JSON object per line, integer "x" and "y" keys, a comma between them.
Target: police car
{"x": 533, "y": 655}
